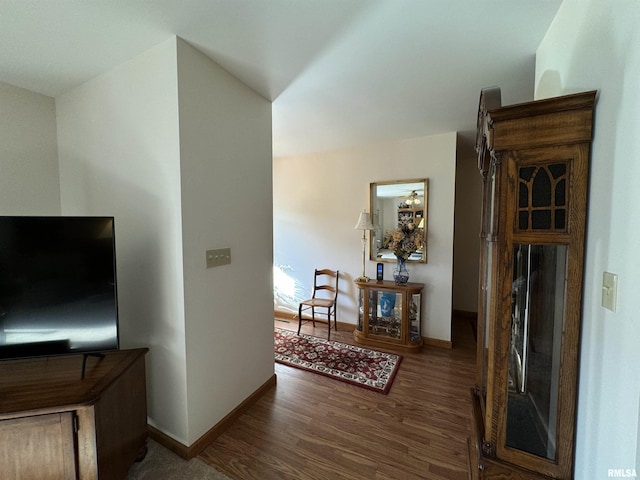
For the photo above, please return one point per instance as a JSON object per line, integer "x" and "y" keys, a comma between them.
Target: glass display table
{"x": 389, "y": 315}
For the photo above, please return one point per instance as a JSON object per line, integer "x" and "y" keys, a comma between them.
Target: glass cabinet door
{"x": 487, "y": 265}
{"x": 361, "y": 308}
{"x": 414, "y": 317}
{"x": 386, "y": 314}
{"x": 537, "y": 318}
{"x": 486, "y": 292}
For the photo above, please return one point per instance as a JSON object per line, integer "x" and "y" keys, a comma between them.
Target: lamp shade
{"x": 364, "y": 222}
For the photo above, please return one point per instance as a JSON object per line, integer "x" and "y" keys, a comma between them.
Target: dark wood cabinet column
{"x": 534, "y": 159}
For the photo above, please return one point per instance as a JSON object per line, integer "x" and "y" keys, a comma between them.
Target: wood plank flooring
{"x": 313, "y": 427}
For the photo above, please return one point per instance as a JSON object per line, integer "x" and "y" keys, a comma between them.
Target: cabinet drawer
{"x": 39, "y": 447}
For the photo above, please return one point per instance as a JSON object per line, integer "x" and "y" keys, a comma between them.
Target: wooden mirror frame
{"x": 386, "y": 204}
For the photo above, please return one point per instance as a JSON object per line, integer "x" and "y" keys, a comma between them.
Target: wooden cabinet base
{"x": 494, "y": 469}
{"x": 370, "y": 341}
{"x": 56, "y": 425}
{"x": 484, "y": 466}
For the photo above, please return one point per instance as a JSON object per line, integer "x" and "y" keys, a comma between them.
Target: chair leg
{"x": 313, "y": 316}
{"x": 328, "y": 324}
{"x": 299, "y": 318}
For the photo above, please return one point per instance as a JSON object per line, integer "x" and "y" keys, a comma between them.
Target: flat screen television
{"x": 58, "y": 290}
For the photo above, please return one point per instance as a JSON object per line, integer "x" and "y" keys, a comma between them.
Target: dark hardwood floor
{"x": 313, "y": 427}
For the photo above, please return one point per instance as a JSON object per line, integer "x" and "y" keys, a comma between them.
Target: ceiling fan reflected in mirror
{"x": 413, "y": 199}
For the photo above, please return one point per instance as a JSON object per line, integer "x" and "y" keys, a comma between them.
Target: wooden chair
{"x": 325, "y": 293}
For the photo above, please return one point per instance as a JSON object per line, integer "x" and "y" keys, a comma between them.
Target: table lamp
{"x": 364, "y": 224}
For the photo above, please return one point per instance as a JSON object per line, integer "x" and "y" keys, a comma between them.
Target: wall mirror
{"x": 394, "y": 204}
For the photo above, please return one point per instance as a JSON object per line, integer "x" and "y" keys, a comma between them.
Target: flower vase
{"x": 400, "y": 273}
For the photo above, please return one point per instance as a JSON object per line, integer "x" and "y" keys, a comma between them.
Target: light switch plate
{"x": 609, "y": 290}
{"x": 220, "y": 256}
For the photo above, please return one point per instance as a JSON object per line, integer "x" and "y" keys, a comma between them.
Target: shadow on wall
{"x": 549, "y": 85}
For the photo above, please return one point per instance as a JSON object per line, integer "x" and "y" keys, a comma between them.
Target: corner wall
{"x": 179, "y": 151}
{"x": 119, "y": 155}
{"x": 317, "y": 200}
{"x": 29, "y": 183}
{"x": 595, "y": 44}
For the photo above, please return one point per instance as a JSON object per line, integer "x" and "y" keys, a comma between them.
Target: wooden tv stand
{"x": 55, "y": 425}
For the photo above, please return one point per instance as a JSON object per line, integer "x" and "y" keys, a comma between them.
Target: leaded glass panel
{"x": 542, "y": 197}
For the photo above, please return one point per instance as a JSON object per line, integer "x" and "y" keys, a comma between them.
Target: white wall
{"x": 595, "y": 44}
{"x": 225, "y": 155}
{"x": 317, "y": 200}
{"x": 29, "y": 182}
{"x": 119, "y": 155}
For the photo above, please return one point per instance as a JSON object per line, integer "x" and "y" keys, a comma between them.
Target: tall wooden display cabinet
{"x": 534, "y": 160}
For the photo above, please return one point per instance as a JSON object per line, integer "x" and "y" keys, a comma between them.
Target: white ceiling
{"x": 339, "y": 72}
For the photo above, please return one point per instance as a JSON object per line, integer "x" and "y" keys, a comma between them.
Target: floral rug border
{"x": 381, "y": 384}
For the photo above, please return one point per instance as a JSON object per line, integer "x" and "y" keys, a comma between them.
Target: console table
{"x": 389, "y": 315}
{"x": 56, "y": 425}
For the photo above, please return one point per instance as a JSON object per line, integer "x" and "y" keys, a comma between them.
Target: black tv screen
{"x": 57, "y": 286}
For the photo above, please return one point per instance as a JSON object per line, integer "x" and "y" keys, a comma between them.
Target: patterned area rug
{"x": 349, "y": 363}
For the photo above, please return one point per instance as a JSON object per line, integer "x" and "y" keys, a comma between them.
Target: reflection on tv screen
{"x": 57, "y": 285}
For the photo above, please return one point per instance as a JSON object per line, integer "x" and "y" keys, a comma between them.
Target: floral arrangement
{"x": 405, "y": 240}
